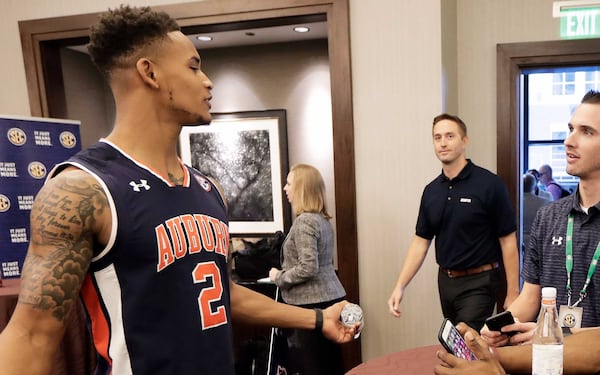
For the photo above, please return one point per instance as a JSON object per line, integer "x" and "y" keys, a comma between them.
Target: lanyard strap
{"x": 569, "y": 264}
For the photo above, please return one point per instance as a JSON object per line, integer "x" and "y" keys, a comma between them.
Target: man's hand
{"x": 525, "y": 335}
{"x": 394, "y": 301}
{"x": 494, "y": 338}
{"x": 333, "y": 328}
{"x": 485, "y": 365}
{"x": 497, "y": 339}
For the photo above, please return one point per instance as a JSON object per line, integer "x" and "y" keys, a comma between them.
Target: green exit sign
{"x": 577, "y": 23}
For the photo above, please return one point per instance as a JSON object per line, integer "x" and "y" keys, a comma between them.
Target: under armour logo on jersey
{"x": 557, "y": 240}
{"x": 138, "y": 187}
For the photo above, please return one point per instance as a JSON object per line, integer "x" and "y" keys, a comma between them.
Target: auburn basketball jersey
{"x": 158, "y": 294}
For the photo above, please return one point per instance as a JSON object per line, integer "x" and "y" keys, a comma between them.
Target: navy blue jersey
{"x": 158, "y": 294}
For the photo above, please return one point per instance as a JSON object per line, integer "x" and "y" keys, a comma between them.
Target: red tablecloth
{"x": 76, "y": 355}
{"x": 407, "y": 362}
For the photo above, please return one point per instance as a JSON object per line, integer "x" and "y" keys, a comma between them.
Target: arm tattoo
{"x": 63, "y": 219}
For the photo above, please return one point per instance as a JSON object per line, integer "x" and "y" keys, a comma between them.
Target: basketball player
{"x": 140, "y": 236}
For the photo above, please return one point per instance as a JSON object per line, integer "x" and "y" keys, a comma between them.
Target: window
{"x": 563, "y": 83}
{"x": 591, "y": 80}
{"x": 550, "y": 97}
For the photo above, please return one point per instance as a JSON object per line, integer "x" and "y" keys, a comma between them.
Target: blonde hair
{"x": 308, "y": 190}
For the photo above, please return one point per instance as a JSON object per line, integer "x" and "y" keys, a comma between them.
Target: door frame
{"x": 42, "y": 39}
{"x": 511, "y": 59}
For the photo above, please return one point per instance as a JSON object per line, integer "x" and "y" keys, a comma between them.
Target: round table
{"x": 415, "y": 361}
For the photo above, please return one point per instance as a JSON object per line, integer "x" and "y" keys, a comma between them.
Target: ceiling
{"x": 253, "y": 36}
{"x": 264, "y": 35}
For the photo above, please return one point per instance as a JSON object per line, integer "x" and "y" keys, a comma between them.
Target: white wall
{"x": 397, "y": 89}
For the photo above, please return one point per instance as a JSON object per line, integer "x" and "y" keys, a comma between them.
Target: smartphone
{"x": 496, "y": 322}
{"x": 453, "y": 342}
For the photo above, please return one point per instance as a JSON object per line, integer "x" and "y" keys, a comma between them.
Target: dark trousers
{"x": 470, "y": 299}
{"x": 311, "y": 353}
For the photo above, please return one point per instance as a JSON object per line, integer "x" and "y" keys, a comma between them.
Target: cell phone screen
{"x": 453, "y": 342}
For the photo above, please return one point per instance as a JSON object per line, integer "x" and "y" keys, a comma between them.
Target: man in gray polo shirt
{"x": 565, "y": 238}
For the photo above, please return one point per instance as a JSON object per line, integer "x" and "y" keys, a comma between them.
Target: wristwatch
{"x": 319, "y": 320}
{"x": 566, "y": 331}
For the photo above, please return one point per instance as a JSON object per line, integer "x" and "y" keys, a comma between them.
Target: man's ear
{"x": 145, "y": 69}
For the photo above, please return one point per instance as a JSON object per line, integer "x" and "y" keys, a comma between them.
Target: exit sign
{"x": 580, "y": 23}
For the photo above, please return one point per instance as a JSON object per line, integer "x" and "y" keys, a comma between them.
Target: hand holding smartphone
{"x": 453, "y": 342}
{"x": 496, "y": 322}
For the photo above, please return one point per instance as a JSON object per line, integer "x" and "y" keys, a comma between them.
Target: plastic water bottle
{"x": 352, "y": 314}
{"x": 547, "y": 355}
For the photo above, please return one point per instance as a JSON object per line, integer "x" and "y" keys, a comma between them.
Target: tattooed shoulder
{"x": 66, "y": 216}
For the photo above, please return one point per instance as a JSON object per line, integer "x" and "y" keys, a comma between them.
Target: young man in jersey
{"x": 141, "y": 237}
{"x": 466, "y": 208}
{"x": 565, "y": 239}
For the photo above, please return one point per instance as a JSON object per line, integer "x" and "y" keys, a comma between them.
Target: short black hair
{"x": 591, "y": 97}
{"x": 123, "y": 32}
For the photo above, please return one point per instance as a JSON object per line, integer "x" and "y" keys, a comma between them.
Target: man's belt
{"x": 453, "y": 274}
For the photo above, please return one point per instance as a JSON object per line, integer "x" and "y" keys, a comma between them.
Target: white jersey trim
{"x": 111, "y": 203}
{"x": 110, "y": 290}
{"x": 145, "y": 167}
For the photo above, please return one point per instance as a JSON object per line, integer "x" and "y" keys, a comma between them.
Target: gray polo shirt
{"x": 544, "y": 256}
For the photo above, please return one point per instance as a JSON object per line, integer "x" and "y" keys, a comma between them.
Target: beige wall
{"x": 400, "y": 73}
{"x": 396, "y": 75}
{"x": 482, "y": 25}
{"x": 397, "y": 72}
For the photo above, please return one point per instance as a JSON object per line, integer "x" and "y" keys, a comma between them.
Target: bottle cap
{"x": 549, "y": 292}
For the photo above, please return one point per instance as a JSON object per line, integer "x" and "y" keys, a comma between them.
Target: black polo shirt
{"x": 466, "y": 215}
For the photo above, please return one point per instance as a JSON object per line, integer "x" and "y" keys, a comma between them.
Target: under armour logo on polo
{"x": 557, "y": 240}
{"x": 138, "y": 187}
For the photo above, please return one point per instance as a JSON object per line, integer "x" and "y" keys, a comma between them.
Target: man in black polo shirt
{"x": 467, "y": 209}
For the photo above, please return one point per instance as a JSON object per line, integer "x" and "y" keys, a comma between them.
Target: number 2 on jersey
{"x": 211, "y": 295}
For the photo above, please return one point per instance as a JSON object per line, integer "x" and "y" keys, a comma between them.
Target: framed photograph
{"x": 246, "y": 153}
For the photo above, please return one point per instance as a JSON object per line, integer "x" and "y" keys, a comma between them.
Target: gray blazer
{"x": 308, "y": 275}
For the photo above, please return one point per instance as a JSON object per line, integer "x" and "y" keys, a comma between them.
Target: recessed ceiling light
{"x": 204, "y": 38}
{"x": 301, "y": 29}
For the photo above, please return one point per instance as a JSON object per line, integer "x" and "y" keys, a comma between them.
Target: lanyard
{"x": 569, "y": 264}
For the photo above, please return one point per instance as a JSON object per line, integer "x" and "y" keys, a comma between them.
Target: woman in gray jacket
{"x": 307, "y": 277}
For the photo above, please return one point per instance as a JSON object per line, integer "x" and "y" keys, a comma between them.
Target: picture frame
{"x": 246, "y": 153}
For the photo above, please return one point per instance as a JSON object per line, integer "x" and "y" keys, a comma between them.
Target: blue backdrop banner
{"x": 29, "y": 149}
